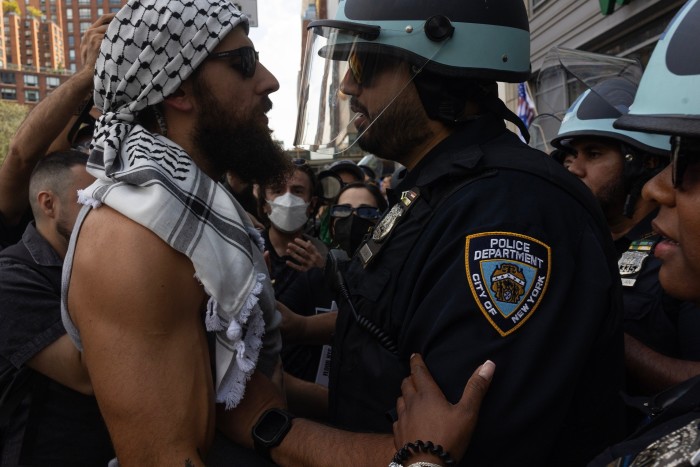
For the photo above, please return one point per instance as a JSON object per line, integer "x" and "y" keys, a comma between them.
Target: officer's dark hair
{"x": 638, "y": 168}
{"x": 53, "y": 173}
{"x": 445, "y": 99}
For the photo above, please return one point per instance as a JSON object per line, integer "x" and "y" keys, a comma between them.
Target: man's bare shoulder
{"x": 118, "y": 261}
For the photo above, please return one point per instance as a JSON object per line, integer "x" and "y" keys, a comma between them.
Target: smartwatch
{"x": 270, "y": 430}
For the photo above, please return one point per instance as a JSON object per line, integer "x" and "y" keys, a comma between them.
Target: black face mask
{"x": 350, "y": 231}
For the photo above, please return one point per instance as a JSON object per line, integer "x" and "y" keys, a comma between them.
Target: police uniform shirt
{"x": 507, "y": 267}
{"x": 663, "y": 323}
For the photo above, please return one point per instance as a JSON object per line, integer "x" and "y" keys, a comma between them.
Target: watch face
{"x": 271, "y": 427}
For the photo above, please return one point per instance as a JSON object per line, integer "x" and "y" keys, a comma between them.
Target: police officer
{"x": 615, "y": 164}
{"x": 491, "y": 251}
{"x": 666, "y": 103}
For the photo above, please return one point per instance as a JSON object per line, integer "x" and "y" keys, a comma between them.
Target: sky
{"x": 278, "y": 40}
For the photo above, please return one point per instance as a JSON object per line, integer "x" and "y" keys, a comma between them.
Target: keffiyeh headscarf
{"x": 149, "y": 49}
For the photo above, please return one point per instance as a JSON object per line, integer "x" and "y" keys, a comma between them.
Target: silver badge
{"x": 630, "y": 264}
{"x": 385, "y": 226}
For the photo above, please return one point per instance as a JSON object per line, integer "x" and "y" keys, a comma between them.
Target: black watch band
{"x": 270, "y": 430}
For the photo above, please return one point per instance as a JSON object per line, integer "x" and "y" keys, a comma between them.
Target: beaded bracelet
{"x": 425, "y": 447}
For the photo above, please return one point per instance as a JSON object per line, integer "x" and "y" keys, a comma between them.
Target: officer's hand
{"x": 425, "y": 414}
{"x": 305, "y": 254}
{"x": 261, "y": 394}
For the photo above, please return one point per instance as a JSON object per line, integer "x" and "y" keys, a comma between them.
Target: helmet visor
{"x": 339, "y": 61}
{"x": 567, "y": 73}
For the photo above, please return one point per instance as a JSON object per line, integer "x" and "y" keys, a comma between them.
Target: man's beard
{"x": 237, "y": 143}
{"x": 612, "y": 199}
{"x": 396, "y": 132}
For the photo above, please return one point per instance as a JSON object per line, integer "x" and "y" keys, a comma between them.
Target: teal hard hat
{"x": 595, "y": 111}
{"x": 467, "y": 38}
{"x": 668, "y": 99}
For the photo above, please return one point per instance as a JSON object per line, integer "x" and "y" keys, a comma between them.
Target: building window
{"x": 83, "y": 2}
{"x": 71, "y": 54}
{"x": 52, "y": 82}
{"x": 84, "y": 27}
{"x": 31, "y": 96}
{"x": 70, "y": 27}
{"x": 69, "y": 14}
{"x": 71, "y": 41}
{"x": 8, "y": 93}
{"x": 8, "y": 77}
{"x": 31, "y": 80}
{"x": 84, "y": 13}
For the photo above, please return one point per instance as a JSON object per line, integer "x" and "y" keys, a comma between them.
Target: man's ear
{"x": 47, "y": 202}
{"x": 181, "y": 99}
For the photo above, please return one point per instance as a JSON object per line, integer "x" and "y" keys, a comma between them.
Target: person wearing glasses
{"x": 356, "y": 210}
{"x": 666, "y": 103}
{"x": 615, "y": 164}
{"x": 491, "y": 251}
{"x": 166, "y": 290}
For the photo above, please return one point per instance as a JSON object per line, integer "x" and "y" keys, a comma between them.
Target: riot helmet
{"x": 592, "y": 116}
{"x": 451, "y": 40}
{"x": 668, "y": 99}
{"x": 594, "y": 112}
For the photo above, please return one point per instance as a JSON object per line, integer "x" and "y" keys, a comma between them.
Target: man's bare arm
{"x": 308, "y": 443}
{"x": 653, "y": 371}
{"x": 306, "y": 399}
{"x": 63, "y": 363}
{"x": 138, "y": 308}
{"x": 51, "y": 118}
{"x": 308, "y": 330}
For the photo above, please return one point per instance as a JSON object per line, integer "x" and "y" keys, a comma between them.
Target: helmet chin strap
{"x": 444, "y": 99}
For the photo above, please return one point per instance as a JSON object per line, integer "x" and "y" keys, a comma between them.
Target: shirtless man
{"x": 183, "y": 100}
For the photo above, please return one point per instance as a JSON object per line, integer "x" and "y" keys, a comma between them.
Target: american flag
{"x": 526, "y": 107}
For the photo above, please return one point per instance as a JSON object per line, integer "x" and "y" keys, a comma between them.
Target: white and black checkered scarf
{"x": 149, "y": 49}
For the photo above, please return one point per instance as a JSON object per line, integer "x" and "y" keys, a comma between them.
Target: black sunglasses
{"x": 242, "y": 60}
{"x": 363, "y": 67}
{"x": 363, "y": 212}
{"x": 684, "y": 153}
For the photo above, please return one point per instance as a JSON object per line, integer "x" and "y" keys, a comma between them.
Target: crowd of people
{"x": 177, "y": 291}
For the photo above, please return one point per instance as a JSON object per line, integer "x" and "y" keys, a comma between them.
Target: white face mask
{"x": 288, "y": 213}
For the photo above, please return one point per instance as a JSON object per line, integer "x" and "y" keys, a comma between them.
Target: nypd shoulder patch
{"x": 508, "y": 274}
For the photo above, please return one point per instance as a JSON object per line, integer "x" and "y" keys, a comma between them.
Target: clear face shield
{"x": 341, "y": 63}
{"x": 568, "y": 73}
{"x": 542, "y": 129}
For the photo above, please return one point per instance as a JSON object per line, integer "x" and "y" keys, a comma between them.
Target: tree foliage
{"x": 11, "y": 115}
{"x": 35, "y": 12}
{"x": 11, "y": 6}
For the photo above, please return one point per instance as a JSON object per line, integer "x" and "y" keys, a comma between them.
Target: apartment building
{"x": 40, "y": 44}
